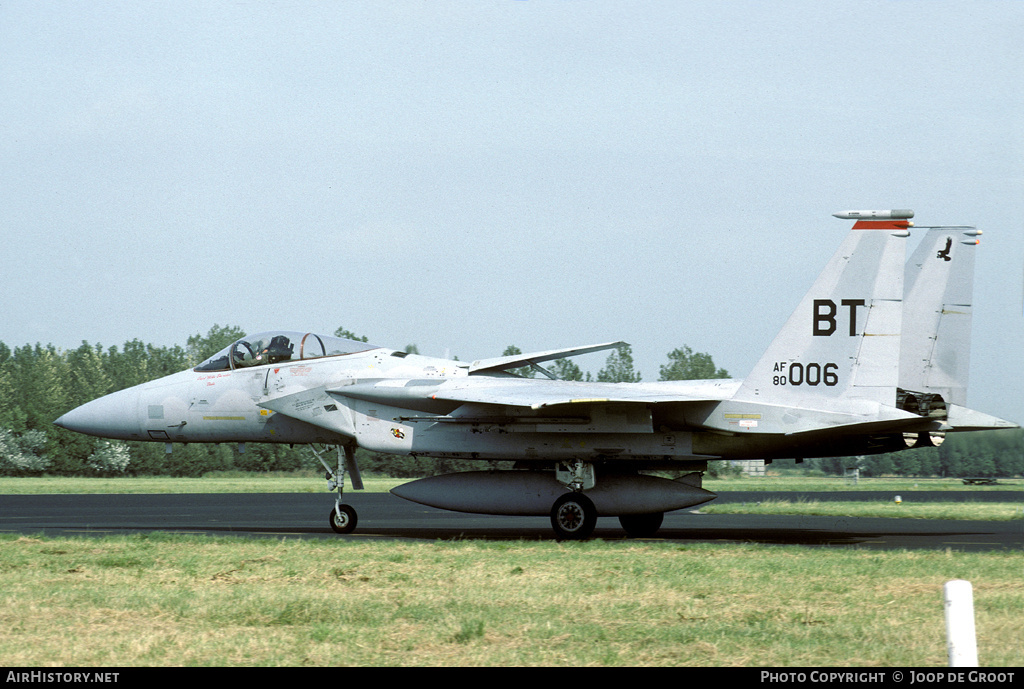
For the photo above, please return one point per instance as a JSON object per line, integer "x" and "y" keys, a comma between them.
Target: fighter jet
{"x": 838, "y": 380}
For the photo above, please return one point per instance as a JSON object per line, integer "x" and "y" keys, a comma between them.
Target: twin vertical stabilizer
{"x": 843, "y": 340}
{"x": 937, "y": 314}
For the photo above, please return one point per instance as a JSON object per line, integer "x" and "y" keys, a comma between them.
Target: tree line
{"x": 40, "y": 383}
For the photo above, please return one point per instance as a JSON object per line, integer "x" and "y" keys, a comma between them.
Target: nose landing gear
{"x": 343, "y": 518}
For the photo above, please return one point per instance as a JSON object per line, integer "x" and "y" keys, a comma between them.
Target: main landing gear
{"x": 343, "y": 518}
{"x": 574, "y": 516}
{"x": 642, "y": 525}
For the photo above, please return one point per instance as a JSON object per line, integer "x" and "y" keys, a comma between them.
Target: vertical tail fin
{"x": 843, "y": 340}
{"x": 938, "y": 288}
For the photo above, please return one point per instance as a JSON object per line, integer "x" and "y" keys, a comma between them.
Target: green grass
{"x": 167, "y": 600}
{"x": 836, "y": 483}
{"x": 907, "y": 509}
{"x": 229, "y": 483}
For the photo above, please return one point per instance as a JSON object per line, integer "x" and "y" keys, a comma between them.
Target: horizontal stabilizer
{"x": 900, "y": 422}
{"x": 964, "y": 419}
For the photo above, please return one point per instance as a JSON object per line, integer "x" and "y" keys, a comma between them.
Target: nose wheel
{"x": 343, "y": 519}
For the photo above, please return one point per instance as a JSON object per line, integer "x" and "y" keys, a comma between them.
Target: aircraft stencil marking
{"x": 807, "y": 374}
{"x": 829, "y": 316}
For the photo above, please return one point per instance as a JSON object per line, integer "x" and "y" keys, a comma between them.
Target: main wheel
{"x": 573, "y": 517}
{"x": 642, "y": 525}
{"x": 343, "y": 519}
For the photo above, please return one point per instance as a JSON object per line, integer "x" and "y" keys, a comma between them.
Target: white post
{"x": 960, "y": 637}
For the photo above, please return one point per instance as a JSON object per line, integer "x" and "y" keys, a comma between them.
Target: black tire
{"x": 642, "y": 525}
{"x": 345, "y": 521}
{"x": 573, "y": 517}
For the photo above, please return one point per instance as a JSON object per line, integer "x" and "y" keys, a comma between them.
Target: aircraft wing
{"x": 502, "y": 363}
{"x": 542, "y": 394}
{"x": 528, "y": 393}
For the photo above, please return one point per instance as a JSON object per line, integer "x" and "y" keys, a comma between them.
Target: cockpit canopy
{"x": 275, "y": 347}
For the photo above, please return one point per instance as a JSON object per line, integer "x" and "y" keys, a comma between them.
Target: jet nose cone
{"x": 112, "y": 416}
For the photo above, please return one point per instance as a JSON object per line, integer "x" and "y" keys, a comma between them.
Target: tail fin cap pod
{"x": 897, "y": 214}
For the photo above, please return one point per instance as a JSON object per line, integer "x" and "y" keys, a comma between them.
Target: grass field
{"x": 163, "y": 600}
{"x": 178, "y": 600}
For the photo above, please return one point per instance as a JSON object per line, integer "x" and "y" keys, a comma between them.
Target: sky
{"x": 469, "y": 175}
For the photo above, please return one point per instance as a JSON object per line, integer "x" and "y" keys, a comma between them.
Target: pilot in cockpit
{"x": 260, "y": 351}
{"x": 279, "y": 349}
{"x": 244, "y": 355}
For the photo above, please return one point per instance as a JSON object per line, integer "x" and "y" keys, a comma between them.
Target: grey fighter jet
{"x": 860, "y": 367}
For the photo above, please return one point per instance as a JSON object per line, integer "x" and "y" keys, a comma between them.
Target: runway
{"x": 386, "y": 517}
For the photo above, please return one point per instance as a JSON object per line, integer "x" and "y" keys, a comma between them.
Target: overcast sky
{"x": 469, "y": 175}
